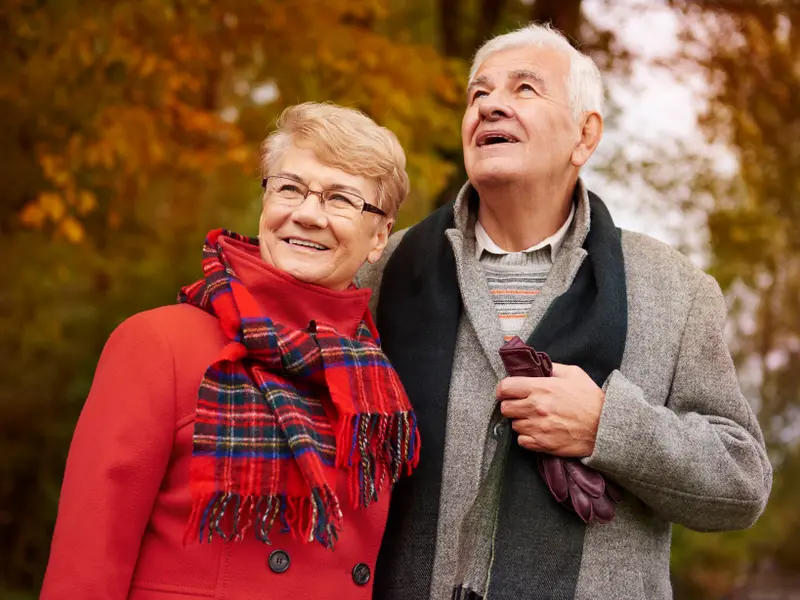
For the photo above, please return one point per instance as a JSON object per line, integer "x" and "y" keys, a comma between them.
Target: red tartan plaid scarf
{"x": 265, "y": 448}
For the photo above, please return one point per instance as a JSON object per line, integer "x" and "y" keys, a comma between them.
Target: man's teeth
{"x": 306, "y": 243}
{"x": 496, "y": 138}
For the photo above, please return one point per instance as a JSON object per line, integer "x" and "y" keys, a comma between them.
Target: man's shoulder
{"x": 644, "y": 252}
{"x": 423, "y": 235}
{"x": 656, "y": 266}
{"x": 370, "y": 275}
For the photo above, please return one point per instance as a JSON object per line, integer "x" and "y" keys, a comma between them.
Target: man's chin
{"x": 496, "y": 171}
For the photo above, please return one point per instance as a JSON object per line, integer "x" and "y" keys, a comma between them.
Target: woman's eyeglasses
{"x": 290, "y": 192}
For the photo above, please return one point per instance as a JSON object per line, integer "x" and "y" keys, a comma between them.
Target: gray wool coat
{"x": 675, "y": 430}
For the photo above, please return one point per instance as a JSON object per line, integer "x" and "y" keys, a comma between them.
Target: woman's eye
{"x": 341, "y": 200}
{"x": 289, "y": 188}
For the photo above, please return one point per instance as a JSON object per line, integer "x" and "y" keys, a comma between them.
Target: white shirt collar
{"x": 484, "y": 242}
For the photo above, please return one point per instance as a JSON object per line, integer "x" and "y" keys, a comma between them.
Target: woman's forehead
{"x": 303, "y": 164}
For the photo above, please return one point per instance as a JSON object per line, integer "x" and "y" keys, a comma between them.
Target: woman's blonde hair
{"x": 345, "y": 139}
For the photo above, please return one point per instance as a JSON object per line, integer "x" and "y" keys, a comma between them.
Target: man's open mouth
{"x": 493, "y": 138}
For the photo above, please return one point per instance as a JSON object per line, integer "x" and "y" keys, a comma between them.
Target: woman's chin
{"x": 313, "y": 269}
{"x": 304, "y": 274}
{"x": 308, "y": 274}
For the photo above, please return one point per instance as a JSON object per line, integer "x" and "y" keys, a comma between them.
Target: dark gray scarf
{"x": 516, "y": 540}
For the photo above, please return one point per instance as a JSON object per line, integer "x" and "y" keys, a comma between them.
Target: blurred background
{"x": 129, "y": 129}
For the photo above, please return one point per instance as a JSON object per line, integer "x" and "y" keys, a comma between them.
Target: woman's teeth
{"x": 307, "y": 244}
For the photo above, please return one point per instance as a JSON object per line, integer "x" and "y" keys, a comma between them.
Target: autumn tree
{"x": 750, "y": 56}
{"x": 130, "y": 129}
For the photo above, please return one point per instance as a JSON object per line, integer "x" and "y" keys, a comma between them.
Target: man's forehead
{"x": 511, "y": 62}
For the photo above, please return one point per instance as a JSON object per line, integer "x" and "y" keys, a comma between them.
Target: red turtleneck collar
{"x": 291, "y": 302}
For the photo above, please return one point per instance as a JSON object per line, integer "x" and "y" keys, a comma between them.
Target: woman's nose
{"x": 310, "y": 211}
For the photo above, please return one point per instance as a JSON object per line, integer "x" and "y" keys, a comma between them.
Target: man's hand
{"x": 558, "y": 415}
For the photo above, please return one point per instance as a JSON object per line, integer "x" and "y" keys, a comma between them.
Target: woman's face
{"x": 309, "y": 243}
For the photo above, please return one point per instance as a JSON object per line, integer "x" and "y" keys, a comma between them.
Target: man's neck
{"x": 517, "y": 217}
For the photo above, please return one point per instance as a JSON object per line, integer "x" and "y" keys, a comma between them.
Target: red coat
{"x": 125, "y": 501}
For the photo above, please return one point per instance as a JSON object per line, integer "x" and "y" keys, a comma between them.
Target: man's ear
{"x": 591, "y": 134}
{"x": 381, "y": 239}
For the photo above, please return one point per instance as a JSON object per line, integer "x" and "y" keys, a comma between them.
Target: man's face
{"x": 518, "y": 125}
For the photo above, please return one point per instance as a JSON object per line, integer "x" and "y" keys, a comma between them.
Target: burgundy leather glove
{"x": 573, "y": 484}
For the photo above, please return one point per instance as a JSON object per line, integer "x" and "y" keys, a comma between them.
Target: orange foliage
{"x": 120, "y": 95}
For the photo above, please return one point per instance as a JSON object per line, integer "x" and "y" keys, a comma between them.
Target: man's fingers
{"x": 516, "y": 409}
{"x": 512, "y": 388}
{"x": 561, "y": 370}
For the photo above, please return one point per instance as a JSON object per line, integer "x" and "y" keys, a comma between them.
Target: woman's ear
{"x": 381, "y": 239}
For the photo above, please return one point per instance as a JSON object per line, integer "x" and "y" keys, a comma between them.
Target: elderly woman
{"x": 243, "y": 442}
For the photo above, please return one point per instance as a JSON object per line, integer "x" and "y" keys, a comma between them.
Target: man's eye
{"x": 479, "y": 93}
{"x": 527, "y": 87}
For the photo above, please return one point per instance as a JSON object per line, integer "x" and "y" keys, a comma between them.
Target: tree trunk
{"x": 488, "y": 19}
{"x": 564, "y": 15}
{"x": 449, "y": 22}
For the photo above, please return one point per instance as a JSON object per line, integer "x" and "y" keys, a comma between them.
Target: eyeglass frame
{"x": 370, "y": 208}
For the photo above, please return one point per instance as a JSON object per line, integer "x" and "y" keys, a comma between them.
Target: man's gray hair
{"x": 584, "y": 83}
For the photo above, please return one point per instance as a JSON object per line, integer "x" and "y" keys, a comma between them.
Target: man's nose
{"x": 494, "y": 108}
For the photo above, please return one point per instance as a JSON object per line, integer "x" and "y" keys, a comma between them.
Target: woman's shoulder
{"x": 180, "y": 338}
{"x": 168, "y": 328}
{"x": 177, "y": 318}
{"x": 180, "y": 333}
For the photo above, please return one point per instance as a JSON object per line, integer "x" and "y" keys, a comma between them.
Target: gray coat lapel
{"x": 478, "y": 304}
{"x": 569, "y": 260}
{"x": 477, "y": 299}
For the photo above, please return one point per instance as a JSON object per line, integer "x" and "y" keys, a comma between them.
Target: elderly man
{"x": 643, "y": 390}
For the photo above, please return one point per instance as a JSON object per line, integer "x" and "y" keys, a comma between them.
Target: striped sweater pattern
{"x": 514, "y": 280}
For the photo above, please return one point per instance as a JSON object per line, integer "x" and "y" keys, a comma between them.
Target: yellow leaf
{"x": 48, "y": 163}
{"x": 53, "y": 205}
{"x": 32, "y": 215}
{"x": 148, "y": 65}
{"x": 87, "y": 202}
{"x": 53, "y": 167}
{"x": 239, "y": 155}
{"x": 72, "y": 230}
{"x": 85, "y": 52}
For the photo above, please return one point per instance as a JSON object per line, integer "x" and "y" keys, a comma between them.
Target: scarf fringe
{"x": 376, "y": 448}
{"x": 229, "y": 515}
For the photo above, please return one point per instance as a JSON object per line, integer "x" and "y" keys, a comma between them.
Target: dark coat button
{"x": 279, "y": 561}
{"x": 361, "y": 574}
{"x": 497, "y": 430}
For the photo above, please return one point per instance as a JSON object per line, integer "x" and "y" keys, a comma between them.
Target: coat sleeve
{"x": 700, "y": 459}
{"x": 116, "y": 463}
